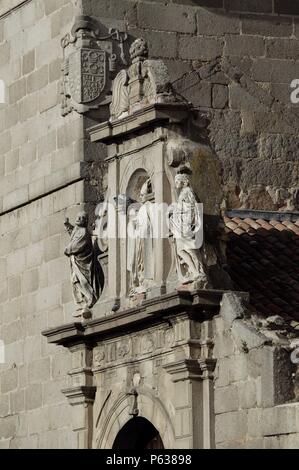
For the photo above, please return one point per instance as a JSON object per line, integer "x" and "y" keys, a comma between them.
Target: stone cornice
{"x": 201, "y": 304}
{"x": 9, "y": 6}
{"x": 111, "y": 131}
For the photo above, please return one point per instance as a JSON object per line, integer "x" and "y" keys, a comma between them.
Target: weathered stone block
{"x": 11, "y": 161}
{"x": 282, "y": 48}
{"x": 55, "y": 70}
{"x": 267, "y": 26}
{"x": 178, "y": 18}
{"x": 280, "y": 420}
{"x": 27, "y": 153}
{"x": 39, "y": 370}
{"x": 219, "y": 96}
{"x": 191, "y": 47}
{"x": 30, "y": 281}
{"x": 238, "y": 368}
{"x": 58, "y": 270}
{"x": 161, "y": 44}
{"x": 28, "y": 107}
{"x": 48, "y": 97}
{"x": 247, "y": 394}
{"x": 4, "y": 53}
{"x": 16, "y": 263}
{"x": 38, "y": 79}
{"x": 9, "y": 380}
{"x": 12, "y": 116}
{"x": 28, "y": 62}
{"x": 14, "y": 287}
{"x": 52, "y": 392}
{"x": 232, "y": 307}
{"x": 230, "y": 426}
{"x": 4, "y": 405}
{"x": 226, "y": 399}
{"x": 114, "y": 9}
{"x": 255, "y": 418}
{"x": 249, "y": 6}
{"x": 8, "y": 427}
{"x": 33, "y": 396}
{"x": 46, "y": 145}
{"x": 244, "y": 46}
{"x": 214, "y": 23}
{"x": 17, "y": 401}
{"x": 5, "y": 142}
{"x": 246, "y": 336}
{"x": 17, "y": 90}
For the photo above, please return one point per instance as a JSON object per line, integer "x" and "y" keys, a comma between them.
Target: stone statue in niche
{"x": 140, "y": 257}
{"x": 186, "y": 226}
{"x": 145, "y": 82}
{"x": 86, "y": 273}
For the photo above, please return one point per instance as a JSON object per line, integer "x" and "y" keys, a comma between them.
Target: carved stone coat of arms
{"x": 89, "y": 66}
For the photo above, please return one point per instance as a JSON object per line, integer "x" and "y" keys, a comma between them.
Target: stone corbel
{"x": 81, "y": 395}
{"x": 184, "y": 369}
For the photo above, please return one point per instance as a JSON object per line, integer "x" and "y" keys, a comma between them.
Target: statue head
{"x": 146, "y": 189}
{"x": 182, "y": 180}
{"x": 82, "y": 219}
{"x": 139, "y": 49}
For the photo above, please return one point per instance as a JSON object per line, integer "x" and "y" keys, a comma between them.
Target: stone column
{"x": 114, "y": 252}
{"x": 81, "y": 395}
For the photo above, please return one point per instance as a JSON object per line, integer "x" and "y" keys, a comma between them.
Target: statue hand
{"x": 66, "y": 252}
{"x": 67, "y": 221}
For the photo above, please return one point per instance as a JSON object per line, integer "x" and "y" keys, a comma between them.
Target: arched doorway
{"x": 138, "y": 433}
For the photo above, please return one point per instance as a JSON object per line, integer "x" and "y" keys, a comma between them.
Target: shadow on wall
{"x": 281, "y": 7}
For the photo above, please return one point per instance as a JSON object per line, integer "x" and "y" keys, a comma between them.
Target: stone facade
{"x": 235, "y": 62}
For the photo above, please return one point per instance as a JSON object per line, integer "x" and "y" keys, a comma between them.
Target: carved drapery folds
{"x": 90, "y": 64}
{"x": 86, "y": 272}
{"x": 144, "y": 82}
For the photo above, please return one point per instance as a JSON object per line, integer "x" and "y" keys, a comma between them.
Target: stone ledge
{"x": 200, "y": 304}
{"x": 8, "y": 6}
{"x": 110, "y": 131}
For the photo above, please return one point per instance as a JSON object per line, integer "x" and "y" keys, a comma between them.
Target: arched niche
{"x": 118, "y": 415}
{"x": 136, "y": 182}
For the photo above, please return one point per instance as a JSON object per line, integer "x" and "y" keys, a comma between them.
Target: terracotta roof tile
{"x": 263, "y": 259}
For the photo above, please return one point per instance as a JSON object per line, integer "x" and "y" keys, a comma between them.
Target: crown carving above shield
{"x": 89, "y": 67}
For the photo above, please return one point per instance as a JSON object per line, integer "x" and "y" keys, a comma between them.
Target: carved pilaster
{"x": 81, "y": 394}
{"x": 193, "y": 401}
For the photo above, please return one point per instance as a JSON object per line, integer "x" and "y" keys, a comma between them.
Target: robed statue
{"x": 86, "y": 273}
{"x": 141, "y": 259}
{"x": 186, "y": 226}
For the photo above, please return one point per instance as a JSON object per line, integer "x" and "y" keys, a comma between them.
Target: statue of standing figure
{"x": 186, "y": 226}
{"x": 140, "y": 262}
{"x": 86, "y": 273}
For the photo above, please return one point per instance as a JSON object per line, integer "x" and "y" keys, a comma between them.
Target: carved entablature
{"x": 89, "y": 66}
{"x": 144, "y": 82}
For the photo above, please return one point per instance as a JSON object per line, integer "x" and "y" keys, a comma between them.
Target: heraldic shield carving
{"x": 89, "y": 66}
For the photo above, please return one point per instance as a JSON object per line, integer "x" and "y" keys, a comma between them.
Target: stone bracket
{"x": 82, "y": 395}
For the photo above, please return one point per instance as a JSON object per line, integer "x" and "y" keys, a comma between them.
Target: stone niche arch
{"x": 151, "y": 408}
{"x": 135, "y": 183}
{"x": 134, "y": 174}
